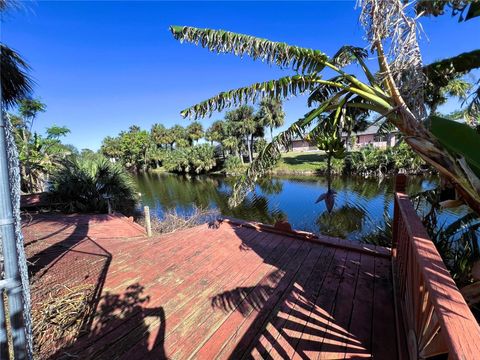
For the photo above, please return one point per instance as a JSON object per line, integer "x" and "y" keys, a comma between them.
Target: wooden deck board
{"x": 231, "y": 292}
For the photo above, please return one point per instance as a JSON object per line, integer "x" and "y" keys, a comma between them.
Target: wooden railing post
{"x": 400, "y": 186}
{"x": 148, "y": 223}
{"x": 400, "y": 183}
{"x": 437, "y": 319}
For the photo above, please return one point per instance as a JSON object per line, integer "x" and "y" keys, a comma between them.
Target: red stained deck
{"x": 230, "y": 291}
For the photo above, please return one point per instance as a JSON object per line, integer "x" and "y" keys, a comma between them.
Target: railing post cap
{"x": 400, "y": 183}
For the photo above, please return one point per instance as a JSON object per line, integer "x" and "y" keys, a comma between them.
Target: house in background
{"x": 368, "y": 137}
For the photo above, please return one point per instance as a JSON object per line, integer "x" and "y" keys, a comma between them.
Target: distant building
{"x": 368, "y": 137}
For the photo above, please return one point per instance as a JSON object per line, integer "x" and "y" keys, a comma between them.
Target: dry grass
{"x": 60, "y": 316}
{"x": 173, "y": 221}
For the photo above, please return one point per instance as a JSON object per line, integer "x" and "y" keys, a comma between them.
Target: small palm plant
{"x": 395, "y": 94}
{"x": 93, "y": 185}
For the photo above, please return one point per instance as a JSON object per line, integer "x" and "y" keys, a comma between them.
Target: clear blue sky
{"x": 103, "y": 66}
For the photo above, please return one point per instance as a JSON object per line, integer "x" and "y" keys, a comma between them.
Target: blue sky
{"x": 103, "y": 66}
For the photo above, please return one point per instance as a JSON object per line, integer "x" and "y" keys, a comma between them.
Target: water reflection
{"x": 359, "y": 207}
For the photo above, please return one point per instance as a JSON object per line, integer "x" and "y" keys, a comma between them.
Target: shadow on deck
{"x": 232, "y": 291}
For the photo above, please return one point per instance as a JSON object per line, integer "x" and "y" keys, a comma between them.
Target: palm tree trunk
{"x": 271, "y": 133}
{"x": 249, "y": 149}
{"x": 252, "y": 145}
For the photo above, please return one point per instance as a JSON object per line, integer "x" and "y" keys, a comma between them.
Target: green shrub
{"x": 233, "y": 166}
{"x": 406, "y": 159}
{"x": 89, "y": 184}
{"x": 337, "y": 168}
{"x": 195, "y": 159}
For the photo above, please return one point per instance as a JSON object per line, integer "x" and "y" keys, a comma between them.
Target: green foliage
{"x": 281, "y": 54}
{"x": 38, "y": 154}
{"x": 161, "y": 136}
{"x": 449, "y": 133}
{"x": 194, "y": 132}
{"x": 196, "y": 159}
{"x": 337, "y": 167}
{"x": 88, "y": 185}
{"x": 260, "y": 145}
{"x": 130, "y": 147}
{"x": 233, "y": 166}
{"x": 271, "y": 114}
{"x": 342, "y": 102}
{"x": 216, "y": 132}
{"x": 466, "y": 9}
{"x": 15, "y": 81}
{"x": 372, "y": 161}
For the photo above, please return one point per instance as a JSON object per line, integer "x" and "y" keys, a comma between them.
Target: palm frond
{"x": 265, "y": 161}
{"x": 300, "y": 59}
{"x": 16, "y": 84}
{"x": 326, "y": 90}
{"x": 473, "y": 107}
{"x": 440, "y": 73}
{"x": 280, "y": 88}
{"x": 347, "y": 55}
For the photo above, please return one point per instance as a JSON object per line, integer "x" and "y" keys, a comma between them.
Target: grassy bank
{"x": 296, "y": 162}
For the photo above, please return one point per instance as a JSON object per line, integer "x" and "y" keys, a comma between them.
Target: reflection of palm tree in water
{"x": 180, "y": 192}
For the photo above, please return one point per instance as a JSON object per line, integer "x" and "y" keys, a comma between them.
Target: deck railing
{"x": 436, "y": 319}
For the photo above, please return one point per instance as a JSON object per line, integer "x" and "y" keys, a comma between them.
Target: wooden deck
{"x": 225, "y": 291}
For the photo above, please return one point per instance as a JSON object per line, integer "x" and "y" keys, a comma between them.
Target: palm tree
{"x": 16, "y": 83}
{"x": 396, "y": 96}
{"x": 271, "y": 114}
{"x": 244, "y": 124}
{"x": 29, "y": 109}
{"x": 194, "y": 132}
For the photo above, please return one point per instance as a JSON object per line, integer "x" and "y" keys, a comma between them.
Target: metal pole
{"x": 7, "y": 234}
{"x": 3, "y": 324}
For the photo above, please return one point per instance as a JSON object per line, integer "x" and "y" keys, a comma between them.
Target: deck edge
{"x": 311, "y": 237}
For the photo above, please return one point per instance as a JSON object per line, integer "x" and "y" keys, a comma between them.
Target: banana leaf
{"x": 459, "y": 139}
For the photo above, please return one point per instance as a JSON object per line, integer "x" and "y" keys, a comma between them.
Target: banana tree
{"x": 395, "y": 93}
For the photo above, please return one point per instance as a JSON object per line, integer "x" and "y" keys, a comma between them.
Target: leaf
{"x": 280, "y": 88}
{"x": 347, "y": 55}
{"x": 321, "y": 198}
{"x": 301, "y": 59}
{"x": 330, "y": 200}
{"x": 473, "y": 11}
{"x": 439, "y": 73}
{"x": 458, "y": 138}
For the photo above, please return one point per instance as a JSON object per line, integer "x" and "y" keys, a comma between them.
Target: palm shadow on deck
{"x": 317, "y": 301}
{"x": 112, "y": 314}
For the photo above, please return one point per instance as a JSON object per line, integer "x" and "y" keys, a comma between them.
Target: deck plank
{"x": 361, "y": 320}
{"x": 230, "y": 292}
{"x": 334, "y": 343}
{"x": 384, "y": 344}
{"x": 244, "y": 300}
{"x": 230, "y": 346}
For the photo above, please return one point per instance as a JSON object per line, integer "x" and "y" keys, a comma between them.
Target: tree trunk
{"x": 426, "y": 145}
{"x": 252, "y": 145}
{"x": 249, "y": 150}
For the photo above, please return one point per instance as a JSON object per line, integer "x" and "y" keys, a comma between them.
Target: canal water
{"x": 361, "y": 205}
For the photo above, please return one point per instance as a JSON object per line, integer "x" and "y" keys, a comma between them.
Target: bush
{"x": 337, "y": 166}
{"x": 195, "y": 159}
{"x": 89, "y": 184}
{"x": 406, "y": 159}
{"x": 233, "y": 166}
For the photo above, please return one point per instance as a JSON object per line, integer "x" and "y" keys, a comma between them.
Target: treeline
{"x": 192, "y": 149}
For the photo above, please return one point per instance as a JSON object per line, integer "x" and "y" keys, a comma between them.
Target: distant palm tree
{"x": 271, "y": 114}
